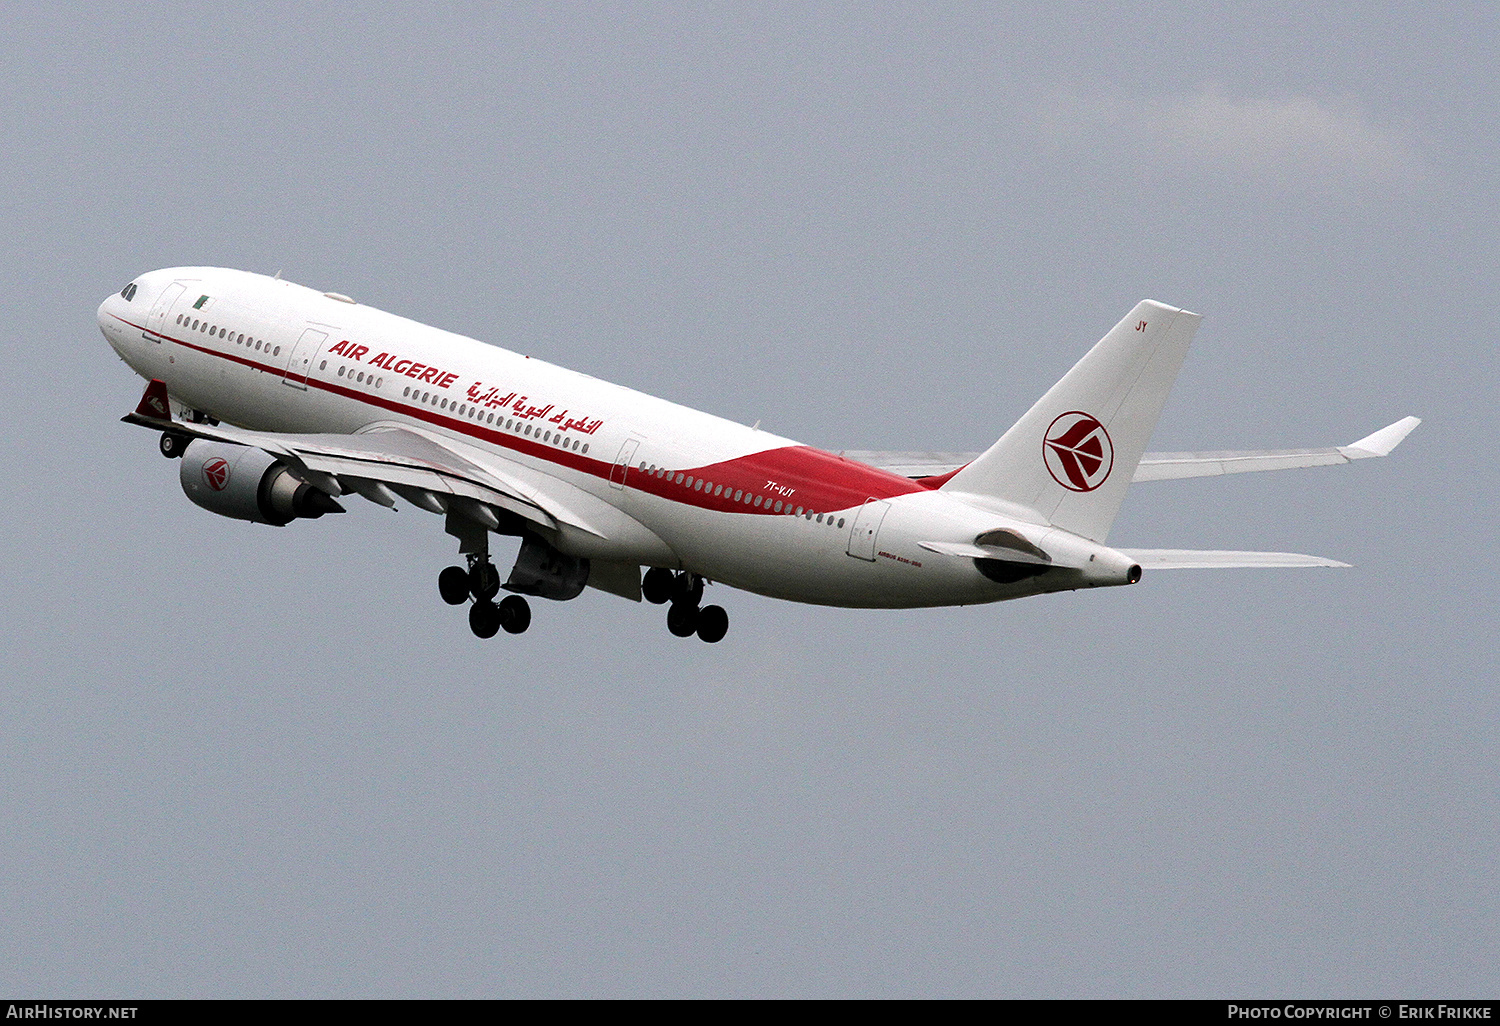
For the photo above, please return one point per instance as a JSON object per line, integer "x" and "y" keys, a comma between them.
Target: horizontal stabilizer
{"x": 1216, "y": 559}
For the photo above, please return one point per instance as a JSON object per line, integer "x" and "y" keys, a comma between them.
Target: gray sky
{"x": 239, "y": 761}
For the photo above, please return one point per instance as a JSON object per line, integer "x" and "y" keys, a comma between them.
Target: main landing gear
{"x": 481, "y": 581}
{"x": 684, "y": 617}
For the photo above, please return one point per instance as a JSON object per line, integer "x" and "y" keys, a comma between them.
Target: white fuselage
{"x": 669, "y": 486}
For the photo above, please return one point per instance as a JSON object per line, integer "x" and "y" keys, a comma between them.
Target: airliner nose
{"x": 110, "y": 321}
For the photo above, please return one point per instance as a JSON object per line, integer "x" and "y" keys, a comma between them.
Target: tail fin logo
{"x": 1078, "y": 452}
{"x": 216, "y": 473}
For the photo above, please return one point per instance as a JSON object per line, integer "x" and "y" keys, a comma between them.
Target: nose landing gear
{"x": 172, "y": 444}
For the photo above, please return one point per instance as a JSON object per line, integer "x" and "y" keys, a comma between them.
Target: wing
{"x": 1166, "y": 466}
{"x": 383, "y": 462}
{"x": 912, "y": 464}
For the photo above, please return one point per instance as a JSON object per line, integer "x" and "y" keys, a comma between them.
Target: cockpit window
{"x": 128, "y": 292}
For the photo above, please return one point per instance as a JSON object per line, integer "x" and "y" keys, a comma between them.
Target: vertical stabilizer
{"x": 1071, "y": 457}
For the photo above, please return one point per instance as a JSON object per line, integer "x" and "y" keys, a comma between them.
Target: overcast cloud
{"x": 1297, "y": 141}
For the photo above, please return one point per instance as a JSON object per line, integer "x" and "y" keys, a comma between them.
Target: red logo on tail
{"x": 216, "y": 473}
{"x": 1078, "y": 452}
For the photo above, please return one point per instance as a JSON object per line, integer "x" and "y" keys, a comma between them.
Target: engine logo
{"x": 216, "y": 473}
{"x": 1078, "y": 452}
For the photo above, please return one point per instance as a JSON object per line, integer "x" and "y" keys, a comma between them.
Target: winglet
{"x": 1381, "y": 442}
{"x": 154, "y": 402}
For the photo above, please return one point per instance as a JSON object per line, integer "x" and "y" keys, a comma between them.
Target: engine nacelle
{"x": 246, "y": 483}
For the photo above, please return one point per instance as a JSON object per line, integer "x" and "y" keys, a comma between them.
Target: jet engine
{"x": 246, "y": 483}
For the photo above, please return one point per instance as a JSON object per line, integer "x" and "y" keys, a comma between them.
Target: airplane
{"x": 279, "y": 400}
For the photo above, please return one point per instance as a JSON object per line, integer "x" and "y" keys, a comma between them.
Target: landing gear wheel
{"x": 682, "y": 619}
{"x": 484, "y": 619}
{"x": 453, "y": 585}
{"x": 656, "y": 586}
{"x": 483, "y": 581}
{"x": 171, "y": 444}
{"x": 515, "y": 614}
{"x": 713, "y": 623}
